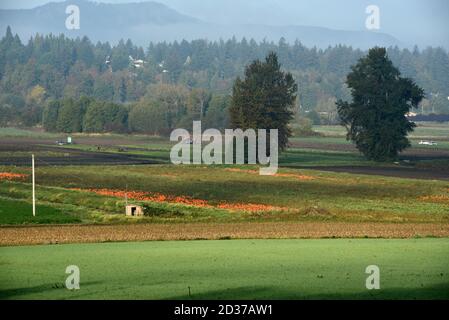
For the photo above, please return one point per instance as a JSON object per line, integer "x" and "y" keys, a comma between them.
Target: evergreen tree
{"x": 70, "y": 116}
{"x": 376, "y": 118}
{"x": 105, "y": 117}
{"x": 264, "y": 99}
{"x": 50, "y": 116}
{"x": 122, "y": 91}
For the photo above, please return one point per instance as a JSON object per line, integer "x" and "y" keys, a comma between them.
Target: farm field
{"x": 212, "y": 162}
{"x": 100, "y": 233}
{"x": 13, "y": 212}
{"x": 321, "y": 179}
{"x": 360, "y": 213}
{"x": 96, "y": 194}
{"x": 425, "y": 130}
{"x": 329, "y": 151}
{"x": 249, "y": 269}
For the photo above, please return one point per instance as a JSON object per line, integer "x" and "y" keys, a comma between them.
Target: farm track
{"x": 37, "y": 235}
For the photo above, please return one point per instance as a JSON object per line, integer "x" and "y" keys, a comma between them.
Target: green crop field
{"x": 329, "y": 196}
{"x": 263, "y": 269}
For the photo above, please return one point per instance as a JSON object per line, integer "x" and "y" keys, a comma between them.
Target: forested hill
{"x": 54, "y": 67}
{"x": 101, "y": 21}
{"x": 151, "y": 21}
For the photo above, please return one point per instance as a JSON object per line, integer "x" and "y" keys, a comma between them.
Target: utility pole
{"x": 34, "y": 187}
{"x": 126, "y": 195}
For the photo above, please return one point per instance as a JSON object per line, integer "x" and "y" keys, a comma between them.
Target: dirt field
{"x": 12, "y": 236}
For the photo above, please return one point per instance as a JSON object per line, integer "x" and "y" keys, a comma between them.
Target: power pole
{"x": 34, "y": 187}
{"x": 126, "y": 195}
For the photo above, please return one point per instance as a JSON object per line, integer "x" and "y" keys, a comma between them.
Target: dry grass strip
{"x": 33, "y": 235}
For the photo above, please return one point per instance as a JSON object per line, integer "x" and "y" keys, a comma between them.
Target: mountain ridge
{"x": 151, "y": 21}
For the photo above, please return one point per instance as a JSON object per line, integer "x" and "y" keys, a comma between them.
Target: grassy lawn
{"x": 14, "y": 212}
{"x": 249, "y": 269}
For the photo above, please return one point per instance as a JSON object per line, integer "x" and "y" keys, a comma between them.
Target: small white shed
{"x": 134, "y": 210}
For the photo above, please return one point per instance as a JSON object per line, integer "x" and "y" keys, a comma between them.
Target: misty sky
{"x": 411, "y": 21}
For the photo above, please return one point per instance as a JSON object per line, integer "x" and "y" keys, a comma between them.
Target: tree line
{"x": 165, "y": 108}
{"x": 264, "y": 97}
{"x": 51, "y": 67}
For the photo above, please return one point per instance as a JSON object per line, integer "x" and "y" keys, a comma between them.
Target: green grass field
{"x": 14, "y": 212}
{"x": 264, "y": 269}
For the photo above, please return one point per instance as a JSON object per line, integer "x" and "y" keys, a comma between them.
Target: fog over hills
{"x": 421, "y": 22}
{"x": 144, "y": 22}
